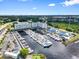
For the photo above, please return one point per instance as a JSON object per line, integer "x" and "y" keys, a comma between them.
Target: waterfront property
{"x": 29, "y": 25}
{"x": 39, "y": 38}
{"x": 62, "y": 35}
{"x": 22, "y": 41}
{"x": 34, "y": 41}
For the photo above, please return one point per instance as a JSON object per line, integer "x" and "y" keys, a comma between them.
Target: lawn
{"x": 72, "y": 39}
{"x": 38, "y": 56}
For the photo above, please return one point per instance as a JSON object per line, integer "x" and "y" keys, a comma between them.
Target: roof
{"x": 11, "y": 54}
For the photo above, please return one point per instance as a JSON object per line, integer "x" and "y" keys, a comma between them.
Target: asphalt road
{"x": 56, "y": 51}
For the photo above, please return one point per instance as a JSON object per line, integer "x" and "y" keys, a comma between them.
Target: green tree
{"x": 24, "y": 52}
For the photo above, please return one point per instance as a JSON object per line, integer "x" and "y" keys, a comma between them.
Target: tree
{"x": 24, "y": 52}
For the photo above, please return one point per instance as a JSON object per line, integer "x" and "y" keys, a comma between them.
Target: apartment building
{"x": 31, "y": 25}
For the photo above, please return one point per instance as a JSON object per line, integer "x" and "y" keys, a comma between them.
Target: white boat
{"x": 39, "y": 38}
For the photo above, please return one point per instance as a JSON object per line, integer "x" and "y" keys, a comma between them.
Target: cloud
{"x": 34, "y": 8}
{"x": 52, "y": 4}
{"x": 70, "y": 2}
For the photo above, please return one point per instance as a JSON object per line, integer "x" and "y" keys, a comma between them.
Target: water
{"x": 56, "y": 51}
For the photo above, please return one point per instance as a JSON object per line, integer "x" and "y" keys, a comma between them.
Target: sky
{"x": 39, "y": 7}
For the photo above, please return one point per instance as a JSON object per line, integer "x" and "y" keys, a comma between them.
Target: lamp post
{"x": 17, "y": 19}
{"x": 69, "y": 20}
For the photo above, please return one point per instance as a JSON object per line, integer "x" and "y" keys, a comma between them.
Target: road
{"x": 56, "y": 51}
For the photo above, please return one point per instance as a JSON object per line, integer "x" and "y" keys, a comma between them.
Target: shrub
{"x": 24, "y": 52}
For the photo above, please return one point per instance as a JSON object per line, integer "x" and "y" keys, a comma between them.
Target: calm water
{"x": 56, "y": 51}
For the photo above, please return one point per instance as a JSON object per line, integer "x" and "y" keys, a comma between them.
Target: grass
{"x": 38, "y": 56}
{"x": 71, "y": 40}
{"x": 1, "y": 40}
{"x": 74, "y": 27}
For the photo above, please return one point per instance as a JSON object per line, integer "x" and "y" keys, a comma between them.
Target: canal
{"x": 56, "y": 51}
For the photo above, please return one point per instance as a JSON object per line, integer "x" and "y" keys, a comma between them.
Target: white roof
{"x": 11, "y": 54}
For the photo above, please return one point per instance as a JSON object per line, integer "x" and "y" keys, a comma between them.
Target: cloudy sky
{"x": 39, "y": 7}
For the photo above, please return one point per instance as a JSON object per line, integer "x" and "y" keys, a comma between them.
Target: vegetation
{"x": 72, "y": 39}
{"x": 73, "y": 27}
{"x": 38, "y": 56}
{"x": 24, "y": 52}
{"x": 7, "y": 26}
{"x": 1, "y": 40}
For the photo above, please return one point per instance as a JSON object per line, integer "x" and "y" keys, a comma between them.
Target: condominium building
{"x": 31, "y": 25}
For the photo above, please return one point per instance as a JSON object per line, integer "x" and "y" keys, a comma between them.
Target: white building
{"x": 11, "y": 54}
{"x": 41, "y": 25}
{"x": 21, "y": 25}
{"x": 25, "y": 25}
{"x": 34, "y": 25}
